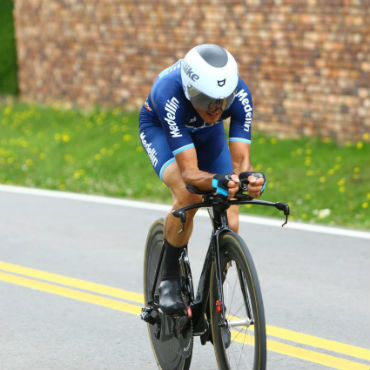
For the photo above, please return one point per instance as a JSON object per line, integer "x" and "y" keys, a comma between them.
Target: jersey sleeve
{"x": 170, "y": 109}
{"x": 241, "y": 113}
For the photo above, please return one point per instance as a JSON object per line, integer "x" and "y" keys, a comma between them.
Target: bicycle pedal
{"x": 146, "y": 315}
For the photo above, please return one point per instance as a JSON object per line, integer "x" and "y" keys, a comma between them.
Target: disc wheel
{"x": 172, "y": 343}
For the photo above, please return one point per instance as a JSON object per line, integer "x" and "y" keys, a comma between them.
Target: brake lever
{"x": 286, "y": 221}
{"x": 182, "y": 216}
{"x": 285, "y": 208}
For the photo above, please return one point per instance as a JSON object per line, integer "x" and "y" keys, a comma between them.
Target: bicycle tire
{"x": 174, "y": 353}
{"x": 243, "y": 348}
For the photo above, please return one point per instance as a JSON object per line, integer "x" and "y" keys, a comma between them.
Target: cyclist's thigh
{"x": 212, "y": 150}
{"x": 154, "y": 141}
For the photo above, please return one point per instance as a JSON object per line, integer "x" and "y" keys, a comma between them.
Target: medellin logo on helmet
{"x": 221, "y": 82}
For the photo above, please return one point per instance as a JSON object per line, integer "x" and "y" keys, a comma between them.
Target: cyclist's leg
{"x": 181, "y": 198}
{"x": 214, "y": 156}
{"x": 170, "y": 297}
{"x": 155, "y": 143}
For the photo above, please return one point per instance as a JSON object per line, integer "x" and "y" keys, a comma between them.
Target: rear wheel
{"x": 172, "y": 341}
{"x": 241, "y": 344}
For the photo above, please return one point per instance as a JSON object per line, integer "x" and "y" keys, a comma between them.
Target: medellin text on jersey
{"x": 171, "y": 108}
{"x": 172, "y": 105}
{"x": 242, "y": 96}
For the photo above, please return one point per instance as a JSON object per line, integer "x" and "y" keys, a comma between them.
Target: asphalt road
{"x": 315, "y": 287}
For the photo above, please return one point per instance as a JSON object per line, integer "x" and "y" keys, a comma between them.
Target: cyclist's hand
{"x": 226, "y": 185}
{"x": 253, "y": 182}
{"x": 255, "y": 186}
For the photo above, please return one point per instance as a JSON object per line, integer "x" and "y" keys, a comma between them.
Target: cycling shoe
{"x": 170, "y": 299}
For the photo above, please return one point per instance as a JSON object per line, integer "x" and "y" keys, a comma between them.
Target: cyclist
{"x": 182, "y": 131}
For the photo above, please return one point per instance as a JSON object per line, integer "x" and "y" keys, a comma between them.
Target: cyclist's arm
{"x": 191, "y": 174}
{"x": 240, "y": 155}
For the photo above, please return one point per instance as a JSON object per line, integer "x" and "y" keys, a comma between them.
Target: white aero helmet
{"x": 209, "y": 76}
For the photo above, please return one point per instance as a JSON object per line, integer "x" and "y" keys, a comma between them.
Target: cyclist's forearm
{"x": 200, "y": 179}
{"x": 240, "y": 154}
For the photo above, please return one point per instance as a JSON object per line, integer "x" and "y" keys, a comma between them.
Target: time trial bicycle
{"x": 227, "y": 309}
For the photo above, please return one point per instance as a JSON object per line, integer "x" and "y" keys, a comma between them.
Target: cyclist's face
{"x": 209, "y": 116}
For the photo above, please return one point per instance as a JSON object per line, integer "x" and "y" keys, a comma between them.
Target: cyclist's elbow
{"x": 200, "y": 179}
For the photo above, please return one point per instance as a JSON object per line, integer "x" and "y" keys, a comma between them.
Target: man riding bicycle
{"x": 181, "y": 129}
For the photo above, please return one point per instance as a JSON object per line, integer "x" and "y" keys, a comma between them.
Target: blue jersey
{"x": 168, "y": 107}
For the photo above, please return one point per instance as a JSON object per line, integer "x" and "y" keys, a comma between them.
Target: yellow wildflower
{"x": 331, "y": 172}
{"x": 127, "y": 137}
{"x": 78, "y": 174}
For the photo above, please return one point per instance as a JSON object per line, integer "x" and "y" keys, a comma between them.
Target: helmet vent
{"x": 214, "y": 55}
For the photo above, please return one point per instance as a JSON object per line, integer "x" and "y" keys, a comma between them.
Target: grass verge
{"x": 99, "y": 152}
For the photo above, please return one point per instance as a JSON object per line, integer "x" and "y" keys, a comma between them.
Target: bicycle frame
{"x": 217, "y": 206}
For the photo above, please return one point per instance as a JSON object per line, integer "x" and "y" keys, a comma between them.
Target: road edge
{"x": 259, "y": 220}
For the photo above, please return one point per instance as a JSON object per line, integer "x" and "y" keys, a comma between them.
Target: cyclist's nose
{"x": 215, "y": 111}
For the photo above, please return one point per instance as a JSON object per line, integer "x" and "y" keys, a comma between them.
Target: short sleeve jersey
{"x": 168, "y": 106}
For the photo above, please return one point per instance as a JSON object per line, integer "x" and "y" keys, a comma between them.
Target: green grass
{"x": 99, "y": 152}
{"x": 8, "y": 63}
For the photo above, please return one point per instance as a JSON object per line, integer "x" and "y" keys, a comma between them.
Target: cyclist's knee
{"x": 233, "y": 218}
{"x": 183, "y": 199}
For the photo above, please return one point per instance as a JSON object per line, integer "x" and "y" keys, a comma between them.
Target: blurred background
{"x": 93, "y": 63}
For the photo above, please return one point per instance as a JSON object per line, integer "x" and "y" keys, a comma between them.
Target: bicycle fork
{"x": 220, "y": 305}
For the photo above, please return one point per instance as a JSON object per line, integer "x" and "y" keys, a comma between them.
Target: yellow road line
{"x": 326, "y": 344}
{"x": 301, "y": 353}
{"x": 316, "y": 357}
{"x": 72, "y": 282}
{"x": 312, "y": 341}
{"x": 71, "y": 293}
{"x": 285, "y": 334}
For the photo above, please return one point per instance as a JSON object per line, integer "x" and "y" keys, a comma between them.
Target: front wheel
{"x": 240, "y": 343}
{"x": 172, "y": 348}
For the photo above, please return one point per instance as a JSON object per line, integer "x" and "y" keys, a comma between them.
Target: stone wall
{"x": 306, "y": 61}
